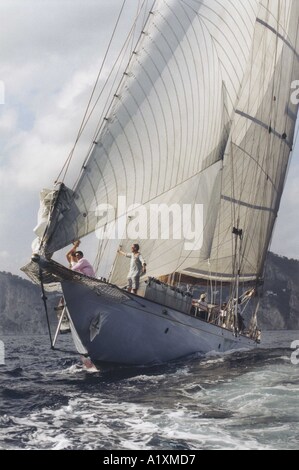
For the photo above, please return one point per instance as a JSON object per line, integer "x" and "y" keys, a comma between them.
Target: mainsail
{"x": 203, "y": 115}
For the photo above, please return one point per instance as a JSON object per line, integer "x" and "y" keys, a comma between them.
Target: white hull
{"x": 136, "y": 331}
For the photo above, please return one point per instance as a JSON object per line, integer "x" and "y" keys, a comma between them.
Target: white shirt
{"x": 137, "y": 262}
{"x": 84, "y": 267}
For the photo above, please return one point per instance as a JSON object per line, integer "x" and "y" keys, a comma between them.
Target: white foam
{"x": 255, "y": 407}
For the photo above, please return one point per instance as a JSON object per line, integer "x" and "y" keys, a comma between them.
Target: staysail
{"x": 202, "y": 117}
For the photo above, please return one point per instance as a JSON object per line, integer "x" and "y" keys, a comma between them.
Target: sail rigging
{"x": 202, "y": 116}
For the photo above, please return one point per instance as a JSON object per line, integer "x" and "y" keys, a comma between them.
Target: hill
{"x": 280, "y": 301}
{"x": 21, "y": 306}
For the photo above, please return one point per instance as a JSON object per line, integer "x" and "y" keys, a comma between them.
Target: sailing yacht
{"x": 201, "y": 122}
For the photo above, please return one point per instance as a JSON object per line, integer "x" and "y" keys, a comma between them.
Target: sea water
{"x": 241, "y": 400}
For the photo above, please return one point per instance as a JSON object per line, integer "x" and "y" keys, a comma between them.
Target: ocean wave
{"x": 240, "y": 400}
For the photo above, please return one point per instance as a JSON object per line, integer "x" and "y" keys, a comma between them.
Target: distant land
{"x": 280, "y": 302}
{"x": 22, "y": 311}
{"x": 21, "y": 306}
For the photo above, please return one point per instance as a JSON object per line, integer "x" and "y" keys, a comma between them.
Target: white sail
{"x": 190, "y": 125}
{"x": 257, "y": 154}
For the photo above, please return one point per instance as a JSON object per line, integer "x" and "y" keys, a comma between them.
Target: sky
{"x": 50, "y": 54}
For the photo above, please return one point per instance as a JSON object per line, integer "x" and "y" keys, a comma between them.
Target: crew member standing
{"x": 137, "y": 267}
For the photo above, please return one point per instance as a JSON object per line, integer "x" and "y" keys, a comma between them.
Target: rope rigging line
{"x": 85, "y": 119}
{"x": 109, "y": 102}
{"x": 44, "y": 299}
{"x": 257, "y": 176}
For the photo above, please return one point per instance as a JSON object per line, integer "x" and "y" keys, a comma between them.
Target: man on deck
{"x": 78, "y": 262}
{"x": 83, "y": 266}
{"x": 137, "y": 267}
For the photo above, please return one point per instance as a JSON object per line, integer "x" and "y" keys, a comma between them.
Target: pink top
{"x": 84, "y": 267}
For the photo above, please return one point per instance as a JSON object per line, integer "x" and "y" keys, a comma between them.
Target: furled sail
{"x": 202, "y": 117}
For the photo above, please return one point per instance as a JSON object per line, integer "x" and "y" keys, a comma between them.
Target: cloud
{"x": 35, "y": 156}
{"x": 8, "y": 122}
